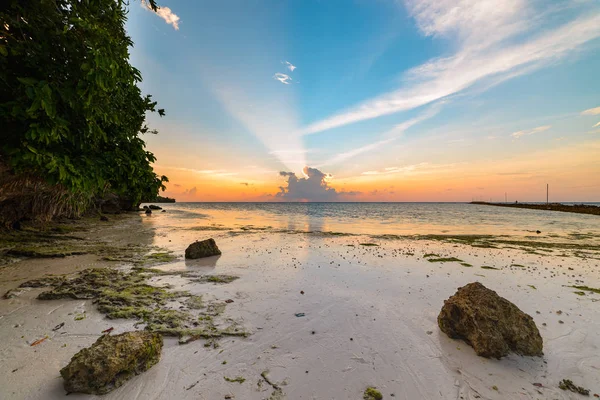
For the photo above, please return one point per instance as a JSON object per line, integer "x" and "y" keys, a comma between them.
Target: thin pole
{"x": 546, "y": 194}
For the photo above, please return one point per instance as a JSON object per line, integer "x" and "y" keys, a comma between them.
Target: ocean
{"x": 381, "y": 218}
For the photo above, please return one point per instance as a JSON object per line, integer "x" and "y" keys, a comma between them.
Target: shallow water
{"x": 383, "y": 218}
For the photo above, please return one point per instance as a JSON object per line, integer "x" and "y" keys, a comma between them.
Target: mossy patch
{"x": 372, "y": 394}
{"x": 444, "y": 259}
{"x": 127, "y": 295}
{"x": 586, "y": 288}
{"x": 239, "y": 379}
{"x": 216, "y": 279}
{"x": 429, "y": 255}
{"x": 567, "y": 384}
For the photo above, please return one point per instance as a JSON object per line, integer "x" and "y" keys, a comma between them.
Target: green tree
{"x": 71, "y": 113}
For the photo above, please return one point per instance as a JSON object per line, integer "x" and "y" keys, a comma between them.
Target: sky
{"x": 373, "y": 100}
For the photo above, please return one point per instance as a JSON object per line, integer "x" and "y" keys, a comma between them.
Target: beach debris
{"x": 300, "y": 314}
{"x": 109, "y": 330}
{"x": 372, "y": 394}
{"x": 38, "y": 341}
{"x": 302, "y": 292}
{"x": 57, "y": 327}
{"x": 492, "y": 325}
{"x": 111, "y": 361}
{"x": 538, "y": 231}
{"x": 228, "y": 301}
{"x": 192, "y": 385}
{"x": 239, "y": 379}
{"x": 567, "y": 384}
{"x": 538, "y": 384}
{"x": 201, "y": 249}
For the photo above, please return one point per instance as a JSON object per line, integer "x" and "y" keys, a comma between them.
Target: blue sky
{"x": 372, "y": 93}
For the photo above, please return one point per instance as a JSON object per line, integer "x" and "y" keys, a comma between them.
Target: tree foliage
{"x": 71, "y": 112}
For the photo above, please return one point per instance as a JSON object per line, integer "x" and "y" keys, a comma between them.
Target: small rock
{"x": 538, "y": 232}
{"x": 111, "y": 361}
{"x": 492, "y": 325}
{"x": 153, "y": 207}
{"x": 148, "y": 211}
{"x": 201, "y": 249}
{"x": 104, "y": 218}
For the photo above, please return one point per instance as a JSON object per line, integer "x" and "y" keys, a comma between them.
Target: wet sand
{"x": 369, "y": 320}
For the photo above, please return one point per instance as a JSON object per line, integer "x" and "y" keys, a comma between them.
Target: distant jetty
{"x": 572, "y": 208}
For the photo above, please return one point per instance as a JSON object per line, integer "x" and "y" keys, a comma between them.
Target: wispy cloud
{"x": 591, "y": 111}
{"x": 410, "y": 169}
{"x": 486, "y": 32}
{"x": 283, "y": 78}
{"x": 211, "y": 172}
{"x": 527, "y": 132}
{"x": 190, "y": 192}
{"x": 598, "y": 124}
{"x": 165, "y": 13}
{"x": 290, "y": 66}
{"x": 388, "y": 137}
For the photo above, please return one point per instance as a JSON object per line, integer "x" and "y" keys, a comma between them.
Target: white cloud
{"x": 486, "y": 32}
{"x": 211, "y": 172}
{"x": 526, "y": 132}
{"x": 591, "y": 111}
{"x": 389, "y": 136}
{"x": 290, "y": 66}
{"x": 166, "y": 14}
{"x": 597, "y": 125}
{"x": 283, "y": 78}
{"x": 422, "y": 168}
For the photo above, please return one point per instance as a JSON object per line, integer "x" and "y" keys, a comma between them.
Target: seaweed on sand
{"x": 119, "y": 294}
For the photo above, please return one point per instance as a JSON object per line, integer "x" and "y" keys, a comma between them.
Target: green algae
{"x": 194, "y": 302}
{"x": 127, "y": 295}
{"x": 444, "y": 259}
{"x": 372, "y": 394}
{"x": 428, "y": 255}
{"x": 239, "y": 379}
{"x": 586, "y": 288}
{"x": 368, "y": 244}
{"x": 465, "y": 264}
{"x": 567, "y": 384}
{"x": 580, "y": 293}
{"x": 160, "y": 257}
{"x": 216, "y": 279}
{"x": 532, "y": 286}
{"x": 488, "y": 267}
{"x": 518, "y": 266}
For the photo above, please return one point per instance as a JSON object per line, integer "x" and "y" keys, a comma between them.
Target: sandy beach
{"x": 327, "y": 317}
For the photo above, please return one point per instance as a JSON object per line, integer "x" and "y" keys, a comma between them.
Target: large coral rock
{"x": 201, "y": 249}
{"x": 111, "y": 361}
{"x": 491, "y": 324}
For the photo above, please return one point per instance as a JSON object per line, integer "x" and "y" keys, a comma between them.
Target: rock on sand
{"x": 492, "y": 325}
{"x": 201, "y": 249}
{"x": 111, "y": 361}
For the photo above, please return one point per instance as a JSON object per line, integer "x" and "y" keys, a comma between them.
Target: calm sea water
{"x": 381, "y": 218}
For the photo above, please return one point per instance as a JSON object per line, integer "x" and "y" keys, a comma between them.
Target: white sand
{"x": 373, "y": 312}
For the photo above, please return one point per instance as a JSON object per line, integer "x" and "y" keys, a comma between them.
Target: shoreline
{"x": 570, "y": 208}
{"x": 370, "y": 316}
